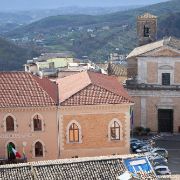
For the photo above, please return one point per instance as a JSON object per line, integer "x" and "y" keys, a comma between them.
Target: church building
{"x": 154, "y": 78}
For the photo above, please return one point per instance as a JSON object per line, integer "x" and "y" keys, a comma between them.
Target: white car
{"x": 161, "y": 151}
{"x": 144, "y": 149}
{"x": 162, "y": 170}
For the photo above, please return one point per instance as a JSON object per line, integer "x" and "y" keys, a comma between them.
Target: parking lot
{"x": 172, "y": 144}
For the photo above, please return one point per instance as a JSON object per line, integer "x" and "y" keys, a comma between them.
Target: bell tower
{"x": 146, "y": 29}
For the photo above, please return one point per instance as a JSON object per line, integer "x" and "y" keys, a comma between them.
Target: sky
{"x": 49, "y": 4}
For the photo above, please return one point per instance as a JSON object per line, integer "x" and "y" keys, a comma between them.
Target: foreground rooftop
{"x": 104, "y": 167}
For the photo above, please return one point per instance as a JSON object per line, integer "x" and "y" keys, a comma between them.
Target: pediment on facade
{"x": 165, "y": 67}
{"x": 163, "y": 52}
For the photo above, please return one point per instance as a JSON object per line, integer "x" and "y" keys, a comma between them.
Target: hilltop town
{"x": 64, "y": 116}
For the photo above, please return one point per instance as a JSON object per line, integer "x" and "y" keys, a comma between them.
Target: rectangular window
{"x": 166, "y": 79}
{"x": 146, "y": 31}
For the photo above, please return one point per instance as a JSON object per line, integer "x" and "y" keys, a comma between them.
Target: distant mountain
{"x": 98, "y": 36}
{"x": 12, "y": 57}
{"x": 12, "y": 20}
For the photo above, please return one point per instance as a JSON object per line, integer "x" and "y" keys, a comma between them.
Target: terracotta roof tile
{"x": 89, "y": 88}
{"x": 21, "y": 89}
{"x": 90, "y": 168}
{"x": 117, "y": 69}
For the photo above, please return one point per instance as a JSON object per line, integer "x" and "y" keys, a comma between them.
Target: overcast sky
{"x": 47, "y": 4}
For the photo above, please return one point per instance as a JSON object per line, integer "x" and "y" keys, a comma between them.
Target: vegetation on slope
{"x": 12, "y": 57}
{"x": 98, "y": 36}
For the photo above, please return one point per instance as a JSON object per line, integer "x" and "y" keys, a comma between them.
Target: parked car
{"x": 134, "y": 140}
{"x": 159, "y": 161}
{"x": 144, "y": 149}
{"x": 161, "y": 151}
{"x": 137, "y": 145}
{"x": 162, "y": 170}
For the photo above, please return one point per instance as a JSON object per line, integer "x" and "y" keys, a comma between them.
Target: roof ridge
{"x": 33, "y": 77}
{"x": 77, "y": 90}
{"x": 108, "y": 89}
{"x": 111, "y": 89}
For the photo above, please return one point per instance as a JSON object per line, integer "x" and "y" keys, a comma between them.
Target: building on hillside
{"x": 87, "y": 116}
{"x": 28, "y": 116}
{"x": 76, "y": 67}
{"x": 117, "y": 58}
{"x": 94, "y": 115}
{"x": 118, "y": 70}
{"x": 58, "y": 65}
{"x": 155, "y": 84}
{"x": 104, "y": 167}
{"x": 48, "y": 62}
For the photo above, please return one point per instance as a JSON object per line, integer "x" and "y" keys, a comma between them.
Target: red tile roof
{"x": 88, "y": 88}
{"x": 21, "y": 89}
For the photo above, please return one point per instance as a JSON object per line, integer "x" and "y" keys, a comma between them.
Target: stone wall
{"x": 95, "y": 133}
{"x": 24, "y": 132}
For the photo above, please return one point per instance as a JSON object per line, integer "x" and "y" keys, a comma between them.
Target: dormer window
{"x": 146, "y": 31}
{"x": 166, "y": 79}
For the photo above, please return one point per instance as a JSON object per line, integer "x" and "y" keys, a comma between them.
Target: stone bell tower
{"x": 146, "y": 29}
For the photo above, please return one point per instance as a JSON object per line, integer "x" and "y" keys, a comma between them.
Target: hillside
{"x": 12, "y": 57}
{"x": 97, "y": 36}
{"x": 170, "y": 28}
{"x": 10, "y": 20}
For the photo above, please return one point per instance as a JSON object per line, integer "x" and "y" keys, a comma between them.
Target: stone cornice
{"x": 154, "y": 93}
{"x": 23, "y": 109}
{"x": 94, "y": 109}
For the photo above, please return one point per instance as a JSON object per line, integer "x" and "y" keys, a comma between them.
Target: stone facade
{"x": 25, "y": 134}
{"x": 146, "y": 22}
{"x": 151, "y": 91}
{"x": 86, "y": 115}
{"x": 94, "y": 124}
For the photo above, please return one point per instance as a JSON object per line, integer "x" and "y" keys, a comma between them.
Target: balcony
{"x": 133, "y": 84}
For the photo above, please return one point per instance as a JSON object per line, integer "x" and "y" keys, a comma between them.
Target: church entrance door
{"x": 165, "y": 120}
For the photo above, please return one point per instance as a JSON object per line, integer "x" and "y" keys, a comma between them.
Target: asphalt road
{"x": 172, "y": 144}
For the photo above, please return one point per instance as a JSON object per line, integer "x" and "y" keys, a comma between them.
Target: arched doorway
{"x": 11, "y": 155}
{"x": 38, "y": 149}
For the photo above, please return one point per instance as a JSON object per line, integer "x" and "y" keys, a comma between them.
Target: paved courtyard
{"x": 172, "y": 144}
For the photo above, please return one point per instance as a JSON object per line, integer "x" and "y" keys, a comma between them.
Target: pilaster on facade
{"x": 143, "y": 112}
{"x": 61, "y": 133}
{"x": 127, "y": 129}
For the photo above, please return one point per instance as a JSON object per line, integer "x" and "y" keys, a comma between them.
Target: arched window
{"x": 37, "y": 123}
{"x": 9, "y": 124}
{"x": 73, "y": 133}
{"x": 115, "y": 131}
{"x": 11, "y": 155}
{"x": 38, "y": 149}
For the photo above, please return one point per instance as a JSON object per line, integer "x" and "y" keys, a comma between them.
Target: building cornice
{"x": 154, "y": 93}
{"x": 22, "y": 109}
{"x": 94, "y": 109}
